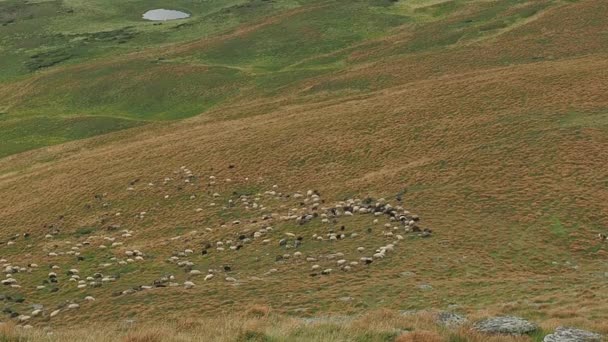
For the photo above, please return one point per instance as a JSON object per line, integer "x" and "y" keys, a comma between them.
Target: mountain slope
{"x": 496, "y": 140}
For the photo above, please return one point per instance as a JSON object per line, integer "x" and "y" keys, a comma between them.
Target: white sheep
{"x": 379, "y": 255}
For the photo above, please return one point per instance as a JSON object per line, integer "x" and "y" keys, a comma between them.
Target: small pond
{"x": 164, "y": 15}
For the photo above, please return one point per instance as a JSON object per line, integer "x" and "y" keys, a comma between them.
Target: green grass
{"x": 557, "y": 228}
{"x": 79, "y": 65}
{"x": 26, "y": 133}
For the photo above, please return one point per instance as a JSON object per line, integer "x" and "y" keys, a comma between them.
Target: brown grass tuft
{"x": 145, "y": 336}
{"x": 420, "y": 336}
{"x": 258, "y": 311}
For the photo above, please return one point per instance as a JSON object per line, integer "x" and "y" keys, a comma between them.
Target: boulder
{"x": 450, "y": 319}
{"x": 566, "y": 334}
{"x": 505, "y": 325}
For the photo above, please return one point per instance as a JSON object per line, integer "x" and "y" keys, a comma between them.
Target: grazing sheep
{"x": 8, "y": 281}
{"x": 366, "y": 260}
{"x": 379, "y": 255}
{"x": 208, "y": 277}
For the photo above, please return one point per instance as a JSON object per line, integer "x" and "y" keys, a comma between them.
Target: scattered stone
{"x": 451, "y": 319}
{"x": 567, "y": 334}
{"x": 505, "y": 325}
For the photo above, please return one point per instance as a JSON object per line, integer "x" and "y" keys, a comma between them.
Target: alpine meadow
{"x": 304, "y": 170}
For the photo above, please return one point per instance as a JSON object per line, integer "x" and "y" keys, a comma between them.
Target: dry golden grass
{"x": 239, "y": 327}
{"x": 420, "y": 336}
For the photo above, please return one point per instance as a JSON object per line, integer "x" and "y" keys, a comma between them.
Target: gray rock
{"x": 451, "y": 319}
{"x": 566, "y": 334}
{"x": 425, "y": 287}
{"x": 505, "y": 325}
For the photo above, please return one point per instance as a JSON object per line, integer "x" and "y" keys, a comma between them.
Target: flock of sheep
{"x": 275, "y": 220}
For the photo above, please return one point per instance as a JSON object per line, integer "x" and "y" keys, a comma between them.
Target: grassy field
{"x": 489, "y": 117}
{"x": 98, "y": 59}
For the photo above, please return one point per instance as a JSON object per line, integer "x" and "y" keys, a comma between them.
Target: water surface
{"x": 164, "y": 15}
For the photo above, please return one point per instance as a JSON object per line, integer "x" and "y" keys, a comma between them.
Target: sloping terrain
{"x": 486, "y": 118}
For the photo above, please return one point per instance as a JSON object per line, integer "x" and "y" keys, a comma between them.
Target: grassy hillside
{"x": 96, "y": 59}
{"x": 488, "y": 119}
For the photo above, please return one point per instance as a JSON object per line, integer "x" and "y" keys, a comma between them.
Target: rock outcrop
{"x": 505, "y": 325}
{"x": 566, "y": 334}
